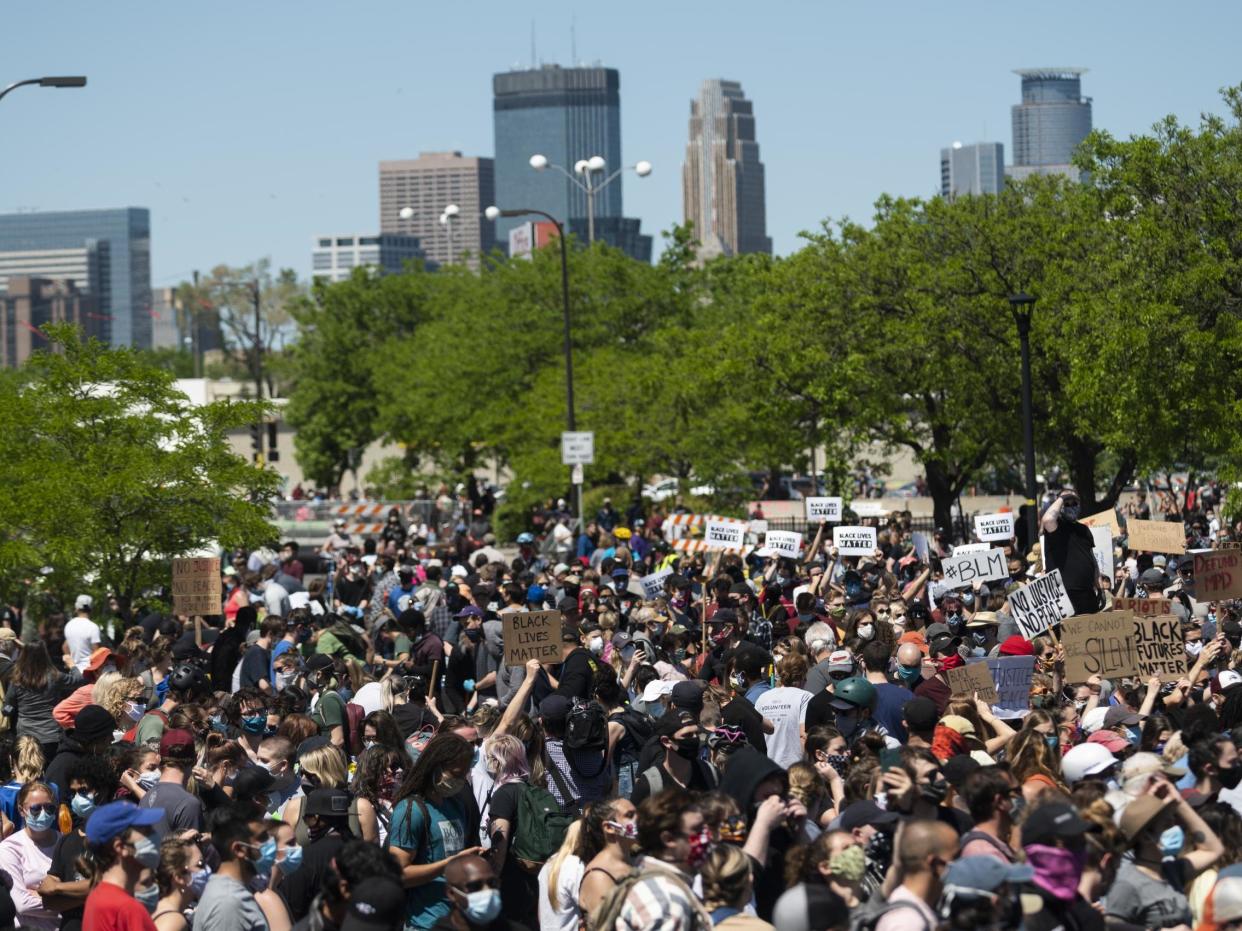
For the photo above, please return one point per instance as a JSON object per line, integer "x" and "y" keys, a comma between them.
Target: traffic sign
{"x": 578, "y": 448}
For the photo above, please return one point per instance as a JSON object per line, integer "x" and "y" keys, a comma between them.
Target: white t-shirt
{"x": 568, "y": 881}
{"x": 82, "y": 635}
{"x": 785, "y": 707}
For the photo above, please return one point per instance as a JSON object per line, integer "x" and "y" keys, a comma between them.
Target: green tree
{"x": 110, "y": 472}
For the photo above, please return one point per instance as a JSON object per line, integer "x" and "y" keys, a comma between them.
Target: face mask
{"x": 1228, "y": 776}
{"x": 1171, "y": 841}
{"x": 1070, "y": 512}
{"x": 150, "y": 779}
{"x": 738, "y": 681}
{"x": 1194, "y": 647}
{"x": 82, "y": 806}
{"x": 147, "y": 852}
{"x": 840, "y": 762}
{"x": 267, "y": 856}
{"x": 447, "y": 786}
{"x": 679, "y": 656}
{"x": 198, "y": 880}
{"x": 908, "y": 673}
{"x": 596, "y": 645}
{"x": 805, "y": 618}
{"x": 980, "y": 637}
{"x": 474, "y": 634}
{"x": 482, "y": 907}
{"x": 850, "y": 864}
{"x": 700, "y": 848}
{"x": 1057, "y": 870}
{"x": 368, "y": 744}
{"x": 628, "y": 830}
{"x": 847, "y": 722}
{"x": 135, "y": 710}
{"x": 148, "y": 898}
{"x": 43, "y": 821}
{"x": 934, "y": 792}
{"x": 687, "y": 749}
{"x": 656, "y": 709}
{"x": 254, "y": 724}
{"x": 284, "y": 679}
{"x": 291, "y": 862}
{"x": 866, "y": 631}
{"x": 1052, "y": 741}
{"x": 1134, "y": 735}
{"x": 219, "y": 724}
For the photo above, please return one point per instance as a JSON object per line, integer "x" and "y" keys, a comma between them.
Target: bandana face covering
{"x": 1056, "y": 870}
{"x": 850, "y": 864}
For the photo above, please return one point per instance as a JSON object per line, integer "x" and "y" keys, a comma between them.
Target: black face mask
{"x": 1229, "y": 776}
{"x": 934, "y": 792}
{"x": 687, "y": 749}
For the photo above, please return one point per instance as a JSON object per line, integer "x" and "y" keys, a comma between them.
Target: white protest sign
{"x": 1103, "y": 549}
{"x": 653, "y": 585}
{"x": 854, "y": 541}
{"x": 960, "y": 571}
{"x": 994, "y": 526}
{"x": 1039, "y": 605}
{"x": 724, "y": 534}
{"x": 921, "y": 548}
{"x": 868, "y": 508}
{"x": 971, "y": 548}
{"x": 823, "y": 509}
{"x": 784, "y": 543}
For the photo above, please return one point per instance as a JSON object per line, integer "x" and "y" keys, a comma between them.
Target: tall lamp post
{"x": 1023, "y": 305}
{"x": 588, "y": 168}
{"x": 72, "y": 81}
{"x": 495, "y": 213}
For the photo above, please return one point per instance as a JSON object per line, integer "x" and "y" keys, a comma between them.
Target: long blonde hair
{"x": 325, "y": 764}
{"x": 28, "y": 762}
{"x": 558, "y": 861}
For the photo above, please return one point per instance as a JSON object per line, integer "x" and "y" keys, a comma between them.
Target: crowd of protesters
{"x": 766, "y": 742}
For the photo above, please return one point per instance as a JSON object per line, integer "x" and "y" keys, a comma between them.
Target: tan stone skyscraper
{"x": 722, "y": 179}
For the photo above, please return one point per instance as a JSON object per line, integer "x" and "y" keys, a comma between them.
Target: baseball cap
{"x": 1117, "y": 716}
{"x": 319, "y": 662}
{"x": 107, "y": 821}
{"x": 469, "y": 611}
{"x": 375, "y": 904}
{"x": 840, "y": 661}
{"x": 554, "y": 708}
{"x": 956, "y": 722}
{"x": 937, "y": 630}
{"x": 1140, "y": 812}
{"x": 655, "y": 689}
{"x": 330, "y": 803}
{"x": 311, "y": 743}
{"x": 99, "y": 656}
{"x": 459, "y": 572}
{"x": 920, "y": 714}
{"x": 1160, "y": 561}
{"x": 535, "y": 594}
{"x": 1085, "y": 760}
{"x": 864, "y": 812}
{"x": 1054, "y": 819}
{"x": 1093, "y": 720}
{"x": 985, "y": 874}
{"x": 83, "y": 603}
{"x": 1147, "y": 764}
{"x": 688, "y": 695}
{"x": 177, "y": 743}
{"x": 1110, "y": 740}
{"x": 1152, "y": 577}
{"x": 672, "y": 721}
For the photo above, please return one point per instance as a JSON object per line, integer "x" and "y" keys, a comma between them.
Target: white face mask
{"x": 866, "y": 631}
{"x": 149, "y": 779}
{"x": 596, "y": 645}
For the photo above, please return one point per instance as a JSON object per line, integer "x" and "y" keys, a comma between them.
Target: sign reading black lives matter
{"x": 823, "y": 509}
{"x": 532, "y": 635}
{"x": 961, "y": 571}
{"x": 854, "y": 541}
{"x": 1039, "y": 605}
{"x": 724, "y": 534}
{"x": 994, "y": 526}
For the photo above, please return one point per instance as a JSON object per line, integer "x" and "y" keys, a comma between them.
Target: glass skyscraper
{"x": 566, "y": 114}
{"x": 972, "y": 169}
{"x": 1050, "y": 122}
{"x": 123, "y": 235}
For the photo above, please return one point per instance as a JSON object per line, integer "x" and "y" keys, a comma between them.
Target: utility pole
{"x": 258, "y": 372}
{"x": 196, "y": 339}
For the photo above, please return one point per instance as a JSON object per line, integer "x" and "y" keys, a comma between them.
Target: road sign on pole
{"x": 578, "y": 447}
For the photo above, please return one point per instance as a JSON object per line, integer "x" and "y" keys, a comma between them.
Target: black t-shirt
{"x": 741, "y": 713}
{"x": 701, "y": 780}
{"x": 1070, "y": 548}
{"x": 351, "y": 591}
{"x": 410, "y": 717}
{"x": 301, "y": 887}
{"x": 256, "y": 665}
{"x": 819, "y": 710}
{"x": 578, "y": 674}
{"x": 69, "y": 847}
{"x": 1056, "y": 915}
{"x": 519, "y": 890}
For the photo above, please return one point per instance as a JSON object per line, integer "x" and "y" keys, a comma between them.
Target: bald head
{"x": 465, "y": 870}
{"x": 923, "y": 841}
{"x": 909, "y": 655}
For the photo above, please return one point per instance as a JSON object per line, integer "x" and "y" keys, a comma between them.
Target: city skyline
{"x": 245, "y": 163}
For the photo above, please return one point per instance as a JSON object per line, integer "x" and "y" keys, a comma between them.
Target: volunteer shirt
{"x": 111, "y": 908}
{"x": 785, "y": 707}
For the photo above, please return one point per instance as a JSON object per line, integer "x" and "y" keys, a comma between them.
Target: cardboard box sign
{"x": 1160, "y": 648}
{"x": 961, "y": 571}
{"x": 724, "y": 535}
{"x": 1104, "y": 519}
{"x": 196, "y": 586}
{"x": 1156, "y": 536}
{"x": 1099, "y": 645}
{"x": 965, "y": 681}
{"x": 854, "y": 541}
{"x": 1218, "y": 575}
{"x": 819, "y": 510}
{"x": 994, "y": 526}
{"x": 532, "y": 635}
{"x": 1143, "y": 607}
{"x": 1039, "y": 605}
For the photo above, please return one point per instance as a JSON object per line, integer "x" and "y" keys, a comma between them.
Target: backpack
{"x": 417, "y": 742}
{"x": 1004, "y": 851}
{"x": 606, "y": 914}
{"x": 866, "y": 916}
{"x": 354, "y": 714}
{"x": 639, "y": 728}
{"x": 540, "y": 828}
{"x": 655, "y": 778}
{"x": 587, "y": 726}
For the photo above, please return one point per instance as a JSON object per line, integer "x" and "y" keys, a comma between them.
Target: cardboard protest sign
{"x": 971, "y": 548}
{"x": 1160, "y": 648}
{"x": 1229, "y": 545}
{"x": 854, "y": 541}
{"x": 196, "y": 586}
{"x": 823, "y": 509}
{"x": 921, "y": 547}
{"x": 724, "y": 534}
{"x": 532, "y": 635}
{"x": 1218, "y": 575}
{"x": 784, "y": 543}
{"x": 961, "y": 571}
{"x": 1143, "y": 607}
{"x": 653, "y": 585}
{"x": 867, "y": 508}
{"x": 1156, "y": 536}
{"x": 1103, "y": 550}
{"x": 1099, "y": 645}
{"x": 1104, "y": 519}
{"x": 965, "y": 681}
{"x": 994, "y": 526}
{"x": 1012, "y": 676}
{"x": 1039, "y": 605}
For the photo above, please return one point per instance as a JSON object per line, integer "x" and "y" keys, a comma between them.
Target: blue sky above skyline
{"x": 247, "y": 129}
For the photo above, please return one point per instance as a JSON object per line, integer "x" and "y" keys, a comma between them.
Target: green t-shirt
{"x": 401, "y": 645}
{"x": 446, "y": 836}
{"x": 329, "y": 713}
{"x": 330, "y": 645}
{"x": 150, "y": 728}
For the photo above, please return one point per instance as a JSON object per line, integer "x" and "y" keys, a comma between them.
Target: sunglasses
{"x": 839, "y": 676}
{"x": 43, "y": 808}
{"x": 477, "y": 885}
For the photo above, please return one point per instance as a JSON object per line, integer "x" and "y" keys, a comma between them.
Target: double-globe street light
{"x": 588, "y": 169}
{"x": 447, "y": 216}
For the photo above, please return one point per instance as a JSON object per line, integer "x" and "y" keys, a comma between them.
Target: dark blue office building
{"x": 124, "y": 300}
{"x": 565, "y": 114}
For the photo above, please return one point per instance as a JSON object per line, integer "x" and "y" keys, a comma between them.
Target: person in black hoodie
{"x": 228, "y": 649}
{"x": 577, "y": 678}
{"x": 91, "y": 734}
{"x": 773, "y": 820}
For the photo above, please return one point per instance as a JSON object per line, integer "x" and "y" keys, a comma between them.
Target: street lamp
{"x": 1023, "y": 305}
{"x": 447, "y": 216}
{"x": 588, "y": 168}
{"x": 72, "y": 81}
{"x": 495, "y": 213}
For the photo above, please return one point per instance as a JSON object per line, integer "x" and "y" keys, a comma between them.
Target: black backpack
{"x": 639, "y": 728}
{"x": 587, "y": 727}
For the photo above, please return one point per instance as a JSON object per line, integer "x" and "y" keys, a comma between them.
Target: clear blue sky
{"x": 247, "y": 128}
